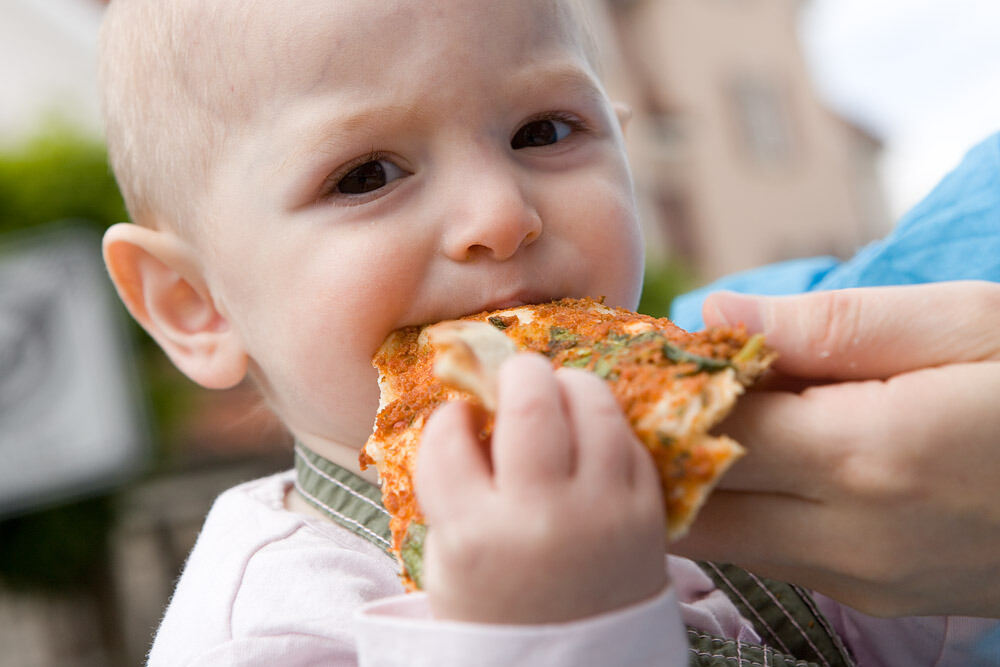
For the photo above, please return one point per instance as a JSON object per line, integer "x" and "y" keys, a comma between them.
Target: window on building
{"x": 763, "y": 120}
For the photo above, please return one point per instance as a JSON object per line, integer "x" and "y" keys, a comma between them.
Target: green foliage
{"x": 57, "y": 174}
{"x": 662, "y": 284}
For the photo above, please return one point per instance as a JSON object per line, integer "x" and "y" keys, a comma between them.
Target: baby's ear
{"x": 159, "y": 278}
{"x": 623, "y": 112}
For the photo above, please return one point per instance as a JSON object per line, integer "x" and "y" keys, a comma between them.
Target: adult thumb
{"x": 869, "y": 333}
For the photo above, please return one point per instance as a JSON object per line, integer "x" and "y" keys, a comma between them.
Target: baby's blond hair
{"x": 167, "y": 112}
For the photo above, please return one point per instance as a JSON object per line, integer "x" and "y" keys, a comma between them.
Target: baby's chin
{"x": 349, "y": 437}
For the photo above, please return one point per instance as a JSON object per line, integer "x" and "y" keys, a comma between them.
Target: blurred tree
{"x": 55, "y": 175}
{"x": 662, "y": 284}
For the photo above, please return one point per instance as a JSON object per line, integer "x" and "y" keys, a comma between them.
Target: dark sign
{"x": 70, "y": 408}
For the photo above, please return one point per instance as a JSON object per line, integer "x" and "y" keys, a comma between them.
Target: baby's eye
{"x": 368, "y": 177}
{"x": 541, "y": 132}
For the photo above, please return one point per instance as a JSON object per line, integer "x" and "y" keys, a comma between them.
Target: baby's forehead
{"x": 250, "y": 49}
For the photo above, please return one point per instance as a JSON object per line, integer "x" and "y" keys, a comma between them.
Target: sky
{"x": 923, "y": 74}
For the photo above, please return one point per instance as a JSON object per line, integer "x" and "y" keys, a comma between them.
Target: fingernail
{"x": 732, "y": 309}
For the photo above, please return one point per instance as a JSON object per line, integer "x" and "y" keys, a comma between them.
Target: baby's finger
{"x": 869, "y": 333}
{"x": 531, "y": 438}
{"x": 604, "y": 441}
{"x": 452, "y": 466}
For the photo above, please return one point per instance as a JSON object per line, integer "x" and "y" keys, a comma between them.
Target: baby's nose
{"x": 495, "y": 220}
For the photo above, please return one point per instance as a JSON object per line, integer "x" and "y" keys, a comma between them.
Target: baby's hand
{"x": 561, "y": 518}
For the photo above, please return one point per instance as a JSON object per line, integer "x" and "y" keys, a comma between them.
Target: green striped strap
{"x": 348, "y": 500}
{"x": 711, "y": 651}
{"x": 785, "y": 616}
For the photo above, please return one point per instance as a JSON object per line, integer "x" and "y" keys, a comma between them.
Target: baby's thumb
{"x": 869, "y": 333}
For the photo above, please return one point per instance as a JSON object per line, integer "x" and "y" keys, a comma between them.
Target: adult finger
{"x": 871, "y": 440}
{"x": 815, "y": 545}
{"x": 870, "y": 332}
{"x": 531, "y": 438}
{"x": 849, "y": 555}
{"x": 751, "y": 528}
{"x": 452, "y": 464}
{"x": 795, "y": 440}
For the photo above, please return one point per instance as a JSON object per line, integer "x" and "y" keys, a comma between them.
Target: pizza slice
{"x": 673, "y": 386}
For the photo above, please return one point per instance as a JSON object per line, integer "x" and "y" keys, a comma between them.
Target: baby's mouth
{"x": 513, "y": 301}
{"x": 489, "y": 302}
{"x": 504, "y": 305}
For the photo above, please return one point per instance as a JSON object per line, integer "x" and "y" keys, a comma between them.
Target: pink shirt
{"x": 266, "y": 586}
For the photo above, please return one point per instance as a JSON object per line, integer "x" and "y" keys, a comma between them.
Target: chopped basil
{"x": 578, "y": 361}
{"x": 560, "y": 339}
{"x": 412, "y": 552}
{"x": 499, "y": 322}
{"x": 604, "y": 367}
{"x": 604, "y": 357}
{"x": 618, "y": 337}
{"x": 750, "y": 350}
{"x": 681, "y": 356}
{"x": 610, "y": 347}
{"x": 562, "y": 335}
{"x": 666, "y": 441}
{"x": 644, "y": 337}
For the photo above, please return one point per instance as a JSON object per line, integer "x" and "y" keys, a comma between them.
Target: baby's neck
{"x": 345, "y": 456}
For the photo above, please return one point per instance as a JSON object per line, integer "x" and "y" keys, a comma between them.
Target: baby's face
{"x": 408, "y": 162}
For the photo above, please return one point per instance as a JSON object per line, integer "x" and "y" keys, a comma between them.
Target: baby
{"x": 306, "y": 177}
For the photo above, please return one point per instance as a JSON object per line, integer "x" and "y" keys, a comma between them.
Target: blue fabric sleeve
{"x": 953, "y": 234}
{"x": 798, "y": 275}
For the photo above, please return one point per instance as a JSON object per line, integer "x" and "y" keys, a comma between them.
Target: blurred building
{"x": 737, "y": 161}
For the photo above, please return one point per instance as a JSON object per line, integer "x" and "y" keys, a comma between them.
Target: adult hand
{"x": 560, "y": 518}
{"x": 878, "y": 484}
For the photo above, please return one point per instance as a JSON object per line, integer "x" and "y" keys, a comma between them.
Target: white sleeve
{"x": 400, "y": 631}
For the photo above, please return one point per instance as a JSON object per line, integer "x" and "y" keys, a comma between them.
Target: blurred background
{"x": 764, "y": 130}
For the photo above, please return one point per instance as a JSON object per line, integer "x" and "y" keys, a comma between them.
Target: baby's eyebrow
{"x": 343, "y": 125}
{"x": 318, "y": 137}
{"x": 567, "y": 76}
{"x": 369, "y": 116}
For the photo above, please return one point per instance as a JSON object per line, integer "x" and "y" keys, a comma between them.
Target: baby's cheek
{"x": 612, "y": 245}
{"x": 333, "y": 398}
{"x": 318, "y": 374}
